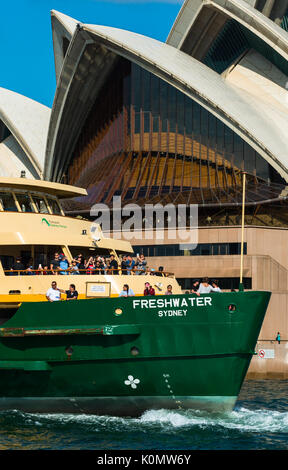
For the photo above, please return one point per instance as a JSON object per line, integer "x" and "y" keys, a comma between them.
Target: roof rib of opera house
{"x": 63, "y": 28}
{"x": 23, "y": 133}
{"x": 247, "y": 114}
{"x": 199, "y": 21}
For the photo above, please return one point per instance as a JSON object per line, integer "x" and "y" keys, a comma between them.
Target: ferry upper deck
{"x": 34, "y": 227}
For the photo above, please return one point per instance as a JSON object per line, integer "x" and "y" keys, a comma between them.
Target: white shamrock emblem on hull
{"x": 132, "y": 382}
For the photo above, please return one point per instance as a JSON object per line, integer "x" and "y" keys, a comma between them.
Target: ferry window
{"x": 7, "y": 261}
{"x": 25, "y": 202}
{"x": 8, "y": 203}
{"x": 41, "y": 205}
{"x": 54, "y": 206}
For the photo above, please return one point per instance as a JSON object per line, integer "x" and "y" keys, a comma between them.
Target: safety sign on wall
{"x": 266, "y": 353}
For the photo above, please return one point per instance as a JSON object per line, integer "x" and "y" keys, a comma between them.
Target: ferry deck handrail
{"x": 86, "y": 271}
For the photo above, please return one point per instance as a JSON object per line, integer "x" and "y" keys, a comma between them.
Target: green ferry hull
{"x": 123, "y": 356}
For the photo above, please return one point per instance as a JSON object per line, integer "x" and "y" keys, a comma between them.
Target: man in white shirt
{"x": 53, "y": 294}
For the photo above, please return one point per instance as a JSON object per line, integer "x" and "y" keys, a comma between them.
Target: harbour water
{"x": 259, "y": 421}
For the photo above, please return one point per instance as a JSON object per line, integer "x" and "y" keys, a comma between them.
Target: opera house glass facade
{"x": 146, "y": 141}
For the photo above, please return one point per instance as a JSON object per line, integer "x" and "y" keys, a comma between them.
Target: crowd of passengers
{"x": 204, "y": 287}
{"x": 92, "y": 265}
{"x": 54, "y": 293}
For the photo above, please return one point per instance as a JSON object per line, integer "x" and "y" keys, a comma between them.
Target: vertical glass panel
{"x": 228, "y": 139}
{"x": 7, "y": 202}
{"x": 196, "y": 120}
{"x": 249, "y": 158}
{"x": 146, "y": 118}
{"x": 41, "y": 205}
{"x": 146, "y": 90}
{"x": 188, "y": 115}
{"x": 212, "y": 130}
{"x": 155, "y": 124}
{"x": 262, "y": 167}
{"x": 137, "y": 123}
{"x": 136, "y": 87}
{"x": 238, "y": 157}
{"x": 180, "y": 112}
{"x": 204, "y": 126}
{"x": 54, "y": 206}
{"x": 25, "y": 202}
{"x": 220, "y": 135}
{"x": 172, "y": 109}
{"x": 223, "y": 248}
{"x": 155, "y": 95}
{"x": 164, "y": 105}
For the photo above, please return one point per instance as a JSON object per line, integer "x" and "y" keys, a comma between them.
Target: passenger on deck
{"x": 215, "y": 285}
{"x": 124, "y": 265}
{"x": 71, "y": 294}
{"x": 169, "y": 290}
{"x": 30, "y": 267}
{"x": 64, "y": 265}
{"x": 17, "y": 266}
{"x": 195, "y": 287}
{"x": 113, "y": 265}
{"x": 130, "y": 264}
{"x": 126, "y": 292}
{"x": 44, "y": 271}
{"x": 74, "y": 268}
{"x": 55, "y": 264}
{"x": 205, "y": 287}
{"x": 149, "y": 289}
{"x": 90, "y": 265}
{"x": 80, "y": 263}
{"x": 101, "y": 264}
{"x": 141, "y": 264}
{"x": 160, "y": 271}
{"x": 53, "y": 294}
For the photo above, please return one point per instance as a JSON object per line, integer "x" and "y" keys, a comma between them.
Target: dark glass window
{"x": 25, "y": 202}
{"x": 54, "y": 206}
{"x": 135, "y": 111}
{"x": 202, "y": 249}
{"x": 172, "y": 108}
{"x": 41, "y": 205}
{"x": 225, "y": 283}
{"x": 8, "y": 203}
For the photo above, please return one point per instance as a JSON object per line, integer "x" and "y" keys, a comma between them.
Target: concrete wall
{"x": 271, "y": 361}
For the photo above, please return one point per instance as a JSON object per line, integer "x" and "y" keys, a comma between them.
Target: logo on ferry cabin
{"x": 52, "y": 223}
{"x": 46, "y": 221}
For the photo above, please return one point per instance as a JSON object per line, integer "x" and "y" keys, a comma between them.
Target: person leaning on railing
{"x": 90, "y": 265}
{"x": 130, "y": 264}
{"x": 73, "y": 269}
{"x": 141, "y": 265}
{"x": 113, "y": 265}
{"x": 17, "y": 266}
{"x": 55, "y": 264}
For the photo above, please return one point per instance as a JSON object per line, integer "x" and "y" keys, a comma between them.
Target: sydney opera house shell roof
{"x": 162, "y": 122}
